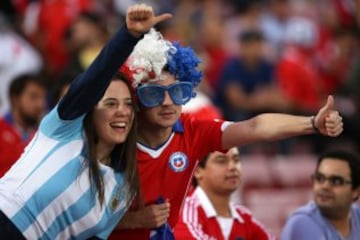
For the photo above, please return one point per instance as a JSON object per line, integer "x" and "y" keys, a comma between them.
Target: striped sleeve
{"x": 192, "y": 221}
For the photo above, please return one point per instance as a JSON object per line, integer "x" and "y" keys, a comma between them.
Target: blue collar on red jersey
{"x": 178, "y": 127}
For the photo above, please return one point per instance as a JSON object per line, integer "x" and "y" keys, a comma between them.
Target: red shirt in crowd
{"x": 200, "y": 221}
{"x": 167, "y": 171}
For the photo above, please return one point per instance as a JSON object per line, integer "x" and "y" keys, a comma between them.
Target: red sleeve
{"x": 181, "y": 231}
{"x": 190, "y": 223}
{"x": 204, "y": 135}
{"x": 255, "y": 229}
{"x": 258, "y": 232}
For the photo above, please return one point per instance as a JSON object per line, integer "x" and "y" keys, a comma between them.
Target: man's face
{"x": 31, "y": 104}
{"x": 166, "y": 114}
{"x": 252, "y": 51}
{"x": 335, "y": 198}
{"x": 222, "y": 172}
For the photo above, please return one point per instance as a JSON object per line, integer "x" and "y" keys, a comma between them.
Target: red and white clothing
{"x": 12, "y": 142}
{"x": 200, "y": 221}
{"x": 11, "y": 146}
{"x": 167, "y": 171}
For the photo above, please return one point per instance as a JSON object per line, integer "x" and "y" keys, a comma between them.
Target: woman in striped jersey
{"x": 78, "y": 175}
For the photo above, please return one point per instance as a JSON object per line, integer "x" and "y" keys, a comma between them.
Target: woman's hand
{"x": 140, "y": 18}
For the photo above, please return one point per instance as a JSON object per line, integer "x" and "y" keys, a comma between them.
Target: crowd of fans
{"x": 257, "y": 56}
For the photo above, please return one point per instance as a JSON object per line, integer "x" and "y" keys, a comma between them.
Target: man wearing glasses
{"x": 170, "y": 144}
{"x": 332, "y": 215}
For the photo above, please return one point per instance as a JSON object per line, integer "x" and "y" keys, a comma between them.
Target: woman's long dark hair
{"x": 123, "y": 156}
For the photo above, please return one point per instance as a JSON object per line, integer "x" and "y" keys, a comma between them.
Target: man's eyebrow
{"x": 330, "y": 175}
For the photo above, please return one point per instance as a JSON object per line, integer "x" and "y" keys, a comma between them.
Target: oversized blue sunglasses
{"x": 153, "y": 95}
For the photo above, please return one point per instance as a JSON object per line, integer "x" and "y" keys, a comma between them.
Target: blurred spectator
{"x": 273, "y": 24}
{"x": 17, "y": 57}
{"x": 243, "y": 76}
{"x": 52, "y": 19}
{"x": 246, "y": 15}
{"x": 28, "y": 101}
{"x": 208, "y": 212}
{"x": 334, "y": 213}
{"x": 88, "y": 35}
{"x": 298, "y": 78}
{"x": 201, "y": 25}
{"x": 336, "y": 46}
{"x": 210, "y": 45}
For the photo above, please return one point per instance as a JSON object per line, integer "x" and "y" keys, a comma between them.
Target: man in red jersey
{"x": 164, "y": 75}
{"x": 27, "y": 95}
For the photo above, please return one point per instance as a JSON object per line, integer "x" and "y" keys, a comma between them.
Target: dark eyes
{"x": 115, "y": 104}
{"x": 333, "y": 180}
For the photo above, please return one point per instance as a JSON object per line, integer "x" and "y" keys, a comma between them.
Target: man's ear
{"x": 356, "y": 194}
{"x": 198, "y": 173}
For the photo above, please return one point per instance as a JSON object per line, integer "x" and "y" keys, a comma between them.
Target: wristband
{"x": 312, "y": 120}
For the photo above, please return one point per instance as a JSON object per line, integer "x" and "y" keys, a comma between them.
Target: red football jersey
{"x": 199, "y": 221}
{"x": 167, "y": 171}
{"x": 11, "y": 146}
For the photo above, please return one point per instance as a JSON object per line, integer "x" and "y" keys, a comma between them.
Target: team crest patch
{"x": 178, "y": 162}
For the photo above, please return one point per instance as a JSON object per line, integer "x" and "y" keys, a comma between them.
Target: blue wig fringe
{"x": 183, "y": 64}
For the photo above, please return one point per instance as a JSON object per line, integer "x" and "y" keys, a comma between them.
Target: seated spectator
{"x": 245, "y": 75}
{"x": 27, "y": 95}
{"x": 333, "y": 213}
{"x": 208, "y": 212}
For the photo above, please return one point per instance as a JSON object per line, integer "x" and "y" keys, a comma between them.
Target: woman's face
{"x": 114, "y": 114}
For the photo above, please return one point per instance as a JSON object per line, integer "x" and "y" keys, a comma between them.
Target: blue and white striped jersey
{"x": 47, "y": 193}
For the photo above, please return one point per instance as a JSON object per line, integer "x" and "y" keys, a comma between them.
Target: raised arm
{"x": 270, "y": 126}
{"x": 88, "y": 88}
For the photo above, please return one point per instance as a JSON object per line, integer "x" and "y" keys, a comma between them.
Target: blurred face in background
{"x": 280, "y": 9}
{"x": 251, "y": 46}
{"x": 222, "y": 172}
{"x": 332, "y": 187}
{"x": 30, "y": 104}
{"x": 86, "y": 29}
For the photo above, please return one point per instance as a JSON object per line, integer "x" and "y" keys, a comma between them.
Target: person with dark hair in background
{"x": 333, "y": 214}
{"x": 79, "y": 174}
{"x": 243, "y": 76}
{"x": 27, "y": 94}
{"x": 208, "y": 212}
{"x": 87, "y": 35}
